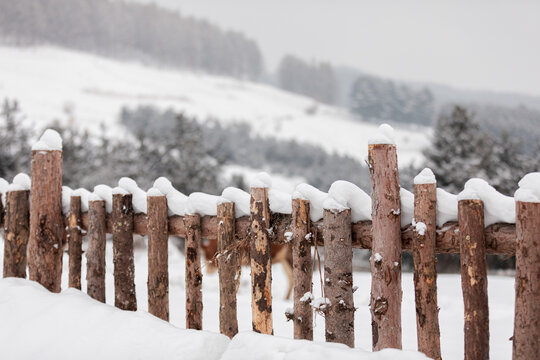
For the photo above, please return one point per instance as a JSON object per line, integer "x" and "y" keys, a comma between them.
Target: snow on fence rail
{"x": 479, "y": 221}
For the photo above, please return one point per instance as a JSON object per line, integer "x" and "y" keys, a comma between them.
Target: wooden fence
{"x": 43, "y": 227}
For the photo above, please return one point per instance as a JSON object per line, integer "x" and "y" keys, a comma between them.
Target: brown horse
{"x": 281, "y": 254}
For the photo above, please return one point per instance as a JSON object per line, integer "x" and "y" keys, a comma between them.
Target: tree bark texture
{"x": 124, "y": 266}
{"x": 194, "y": 303}
{"x": 158, "y": 258}
{"x": 261, "y": 262}
{"x": 302, "y": 269}
{"x": 338, "y": 282}
{"x": 425, "y": 271}
{"x": 474, "y": 279}
{"x": 75, "y": 242}
{"x": 229, "y": 269}
{"x": 16, "y": 229}
{"x": 95, "y": 254}
{"x": 386, "y": 248}
{"x": 526, "y": 339}
{"x": 46, "y": 242}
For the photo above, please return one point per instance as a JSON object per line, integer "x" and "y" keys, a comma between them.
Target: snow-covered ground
{"x": 501, "y": 304}
{"x": 49, "y": 81}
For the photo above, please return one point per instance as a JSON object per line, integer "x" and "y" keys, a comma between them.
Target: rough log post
{"x": 194, "y": 304}
{"x": 228, "y": 266}
{"x": 261, "y": 262}
{"x": 158, "y": 257}
{"x": 474, "y": 278}
{"x": 385, "y": 261}
{"x": 95, "y": 254}
{"x": 302, "y": 269}
{"x": 1, "y": 208}
{"x": 124, "y": 266}
{"x": 46, "y": 242}
{"x": 75, "y": 242}
{"x": 425, "y": 272}
{"x": 526, "y": 339}
{"x": 338, "y": 283}
{"x": 16, "y": 233}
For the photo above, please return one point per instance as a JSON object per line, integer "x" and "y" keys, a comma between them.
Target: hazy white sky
{"x": 491, "y": 45}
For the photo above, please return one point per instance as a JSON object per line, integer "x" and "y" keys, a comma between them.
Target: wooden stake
{"x": 95, "y": 254}
{"x": 338, "y": 283}
{"x": 229, "y": 269}
{"x": 16, "y": 233}
{"x": 386, "y": 255}
{"x": 261, "y": 262}
{"x": 158, "y": 258}
{"x": 46, "y": 242}
{"x": 194, "y": 304}
{"x": 75, "y": 242}
{"x": 425, "y": 272}
{"x": 526, "y": 339}
{"x": 302, "y": 269}
{"x": 124, "y": 266}
{"x": 474, "y": 279}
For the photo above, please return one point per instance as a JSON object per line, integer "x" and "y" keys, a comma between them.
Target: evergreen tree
{"x": 14, "y": 141}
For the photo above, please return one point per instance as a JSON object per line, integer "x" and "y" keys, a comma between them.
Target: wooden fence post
{"x": 124, "y": 265}
{"x": 16, "y": 233}
{"x": 526, "y": 339}
{"x": 75, "y": 242}
{"x": 302, "y": 269}
{"x": 425, "y": 270}
{"x": 158, "y": 257}
{"x": 46, "y": 242}
{"x": 95, "y": 254}
{"x": 194, "y": 304}
{"x": 228, "y": 266}
{"x": 385, "y": 261}
{"x": 338, "y": 282}
{"x": 261, "y": 262}
{"x": 474, "y": 278}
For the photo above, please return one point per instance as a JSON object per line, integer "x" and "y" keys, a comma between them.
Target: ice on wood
{"x": 203, "y": 204}
{"x": 384, "y": 135}
{"x": 425, "y": 176}
{"x": 351, "y": 196}
{"x": 50, "y": 140}
{"x": 529, "y": 188}
{"x": 139, "y": 195}
{"x": 105, "y": 193}
{"x": 240, "y": 198}
{"x": 176, "y": 201}
{"x": 84, "y": 194}
{"x": 497, "y": 207}
{"x": 407, "y": 206}
{"x": 316, "y": 199}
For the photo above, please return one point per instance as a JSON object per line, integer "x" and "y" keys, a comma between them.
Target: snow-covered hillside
{"x": 50, "y": 82}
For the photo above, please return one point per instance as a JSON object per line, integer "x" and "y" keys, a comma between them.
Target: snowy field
{"x": 501, "y": 304}
{"x": 49, "y": 80}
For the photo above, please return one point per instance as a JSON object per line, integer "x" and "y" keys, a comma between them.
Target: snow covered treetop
{"x": 50, "y": 140}
{"x": 529, "y": 188}
{"x": 384, "y": 135}
{"x": 425, "y": 176}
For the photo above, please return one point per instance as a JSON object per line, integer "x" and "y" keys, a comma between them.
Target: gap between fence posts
{"x": 474, "y": 279}
{"x": 46, "y": 242}
{"x": 124, "y": 266}
{"x": 338, "y": 282}
{"x": 526, "y": 339}
{"x": 75, "y": 242}
{"x": 158, "y": 257}
{"x": 229, "y": 269}
{"x": 194, "y": 303}
{"x": 16, "y": 233}
{"x": 425, "y": 270}
{"x": 385, "y": 260}
{"x": 95, "y": 254}
{"x": 261, "y": 262}
{"x": 302, "y": 269}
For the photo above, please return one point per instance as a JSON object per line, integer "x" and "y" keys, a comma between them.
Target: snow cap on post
{"x": 425, "y": 176}
{"x": 316, "y": 199}
{"x": 352, "y": 196}
{"x": 105, "y": 193}
{"x": 139, "y": 195}
{"x": 529, "y": 188}
{"x": 21, "y": 181}
{"x": 50, "y": 140}
{"x": 384, "y": 135}
{"x": 154, "y": 192}
{"x": 261, "y": 180}
{"x": 497, "y": 207}
{"x": 240, "y": 198}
